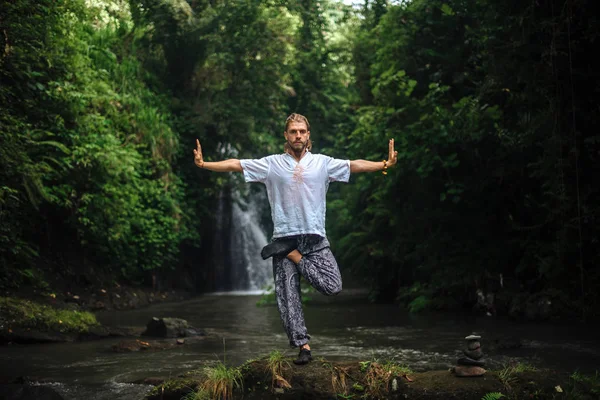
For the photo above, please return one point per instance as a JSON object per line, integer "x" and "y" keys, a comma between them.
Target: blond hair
{"x": 297, "y": 118}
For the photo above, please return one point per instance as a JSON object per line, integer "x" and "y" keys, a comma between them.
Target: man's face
{"x": 297, "y": 135}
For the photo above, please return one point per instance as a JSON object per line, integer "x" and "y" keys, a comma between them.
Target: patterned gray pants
{"x": 319, "y": 268}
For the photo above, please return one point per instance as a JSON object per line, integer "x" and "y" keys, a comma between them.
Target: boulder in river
{"x": 126, "y": 346}
{"x": 166, "y": 328}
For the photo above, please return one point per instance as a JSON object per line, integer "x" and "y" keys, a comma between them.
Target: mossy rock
{"x": 322, "y": 379}
{"x": 28, "y": 321}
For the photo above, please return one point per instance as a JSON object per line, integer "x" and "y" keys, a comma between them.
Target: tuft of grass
{"x": 508, "y": 374}
{"x": 338, "y": 379}
{"x": 277, "y": 365}
{"x": 29, "y": 314}
{"x": 590, "y": 382}
{"x": 219, "y": 383}
{"x": 198, "y": 394}
{"x": 378, "y": 377}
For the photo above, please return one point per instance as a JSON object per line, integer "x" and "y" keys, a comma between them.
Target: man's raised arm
{"x": 372, "y": 166}
{"x": 231, "y": 165}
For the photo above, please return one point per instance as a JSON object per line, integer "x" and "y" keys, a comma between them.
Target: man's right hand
{"x": 198, "y": 160}
{"x": 231, "y": 165}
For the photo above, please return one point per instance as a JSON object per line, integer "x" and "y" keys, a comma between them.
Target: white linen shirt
{"x": 297, "y": 190}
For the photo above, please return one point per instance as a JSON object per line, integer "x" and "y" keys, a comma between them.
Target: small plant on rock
{"x": 589, "y": 382}
{"x": 378, "y": 377}
{"x": 277, "y": 366}
{"x": 507, "y": 375}
{"x": 339, "y": 382}
{"x": 219, "y": 383}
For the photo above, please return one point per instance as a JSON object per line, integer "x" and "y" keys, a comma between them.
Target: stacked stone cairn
{"x": 472, "y": 363}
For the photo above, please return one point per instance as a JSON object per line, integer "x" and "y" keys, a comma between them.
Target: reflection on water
{"x": 342, "y": 327}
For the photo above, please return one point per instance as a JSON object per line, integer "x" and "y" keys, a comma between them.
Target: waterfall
{"x": 239, "y": 238}
{"x": 250, "y": 271}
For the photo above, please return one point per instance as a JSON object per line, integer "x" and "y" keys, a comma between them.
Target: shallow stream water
{"x": 342, "y": 327}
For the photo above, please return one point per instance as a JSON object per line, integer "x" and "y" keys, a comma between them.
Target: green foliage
{"x": 277, "y": 366}
{"x": 482, "y": 186}
{"x": 358, "y": 387}
{"x": 101, "y": 102}
{"x": 217, "y": 382}
{"x": 28, "y": 314}
{"x": 93, "y": 142}
{"x": 269, "y": 297}
{"x": 493, "y": 396}
{"x": 591, "y": 383}
{"x": 379, "y": 376}
{"x": 419, "y": 304}
{"x": 508, "y": 374}
{"x": 364, "y": 365}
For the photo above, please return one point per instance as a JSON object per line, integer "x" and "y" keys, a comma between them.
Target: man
{"x": 297, "y": 183}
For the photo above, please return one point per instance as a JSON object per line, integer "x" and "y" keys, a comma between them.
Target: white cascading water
{"x": 249, "y": 271}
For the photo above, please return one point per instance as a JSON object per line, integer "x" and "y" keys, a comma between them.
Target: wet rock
{"x": 470, "y": 361}
{"x": 30, "y": 379}
{"x": 127, "y": 346}
{"x": 180, "y": 341}
{"x": 97, "y": 305}
{"x": 166, "y": 327}
{"x": 475, "y": 354}
{"x": 72, "y": 298}
{"x": 473, "y": 337}
{"x": 131, "y": 300}
{"x": 26, "y": 392}
{"x": 26, "y": 336}
{"x": 151, "y": 380}
{"x": 190, "y": 332}
{"x": 100, "y": 331}
{"x": 468, "y": 371}
{"x": 97, "y": 331}
{"x": 474, "y": 345}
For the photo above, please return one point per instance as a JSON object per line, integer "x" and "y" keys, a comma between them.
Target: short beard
{"x": 297, "y": 152}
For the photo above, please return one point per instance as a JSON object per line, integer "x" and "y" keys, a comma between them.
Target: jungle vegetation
{"x": 492, "y": 104}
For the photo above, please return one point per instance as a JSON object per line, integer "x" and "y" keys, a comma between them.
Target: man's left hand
{"x": 393, "y": 156}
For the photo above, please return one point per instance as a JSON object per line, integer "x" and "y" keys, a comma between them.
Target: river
{"x": 342, "y": 327}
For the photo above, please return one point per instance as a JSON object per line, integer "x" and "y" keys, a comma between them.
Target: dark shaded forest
{"x": 492, "y": 104}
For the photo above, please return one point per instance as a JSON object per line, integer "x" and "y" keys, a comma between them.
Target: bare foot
{"x": 295, "y": 256}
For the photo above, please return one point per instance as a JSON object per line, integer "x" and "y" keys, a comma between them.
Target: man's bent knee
{"x": 334, "y": 289}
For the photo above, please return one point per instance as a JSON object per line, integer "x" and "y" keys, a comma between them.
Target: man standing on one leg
{"x": 297, "y": 183}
